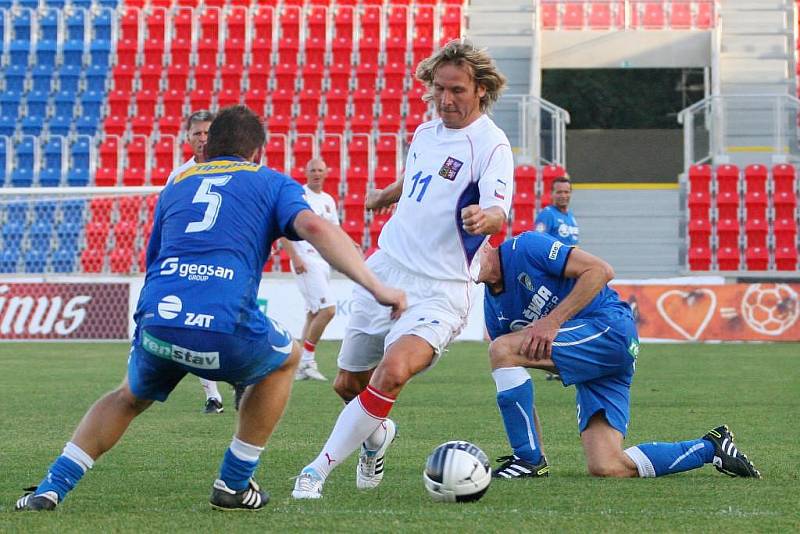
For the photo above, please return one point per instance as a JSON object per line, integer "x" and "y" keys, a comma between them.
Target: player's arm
{"x": 592, "y": 275}
{"x": 477, "y": 221}
{"x": 334, "y": 246}
{"x": 496, "y": 187}
{"x": 297, "y": 263}
{"x": 381, "y": 199}
{"x": 542, "y": 223}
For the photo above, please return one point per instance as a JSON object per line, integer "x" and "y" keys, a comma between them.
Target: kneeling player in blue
{"x": 548, "y": 306}
{"x": 198, "y": 313}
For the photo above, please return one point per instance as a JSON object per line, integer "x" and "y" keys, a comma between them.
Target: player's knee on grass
{"x": 613, "y": 467}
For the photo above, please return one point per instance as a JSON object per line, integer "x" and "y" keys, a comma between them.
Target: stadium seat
{"x": 652, "y": 15}
{"x": 755, "y": 204}
{"x": 281, "y": 102}
{"x": 727, "y": 179}
{"x": 342, "y": 50}
{"x": 785, "y": 204}
{"x": 228, "y": 97}
{"x": 394, "y": 76}
{"x": 385, "y": 175}
{"x": 727, "y": 205}
{"x": 303, "y": 149}
{"x": 276, "y": 152}
{"x": 15, "y": 78}
{"x": 256, "y": 99}
{"x": 10, "y": 103}
{"x": 92, "y": 260}
{"x": 12, "y": 232}
{"x": 67, "y": 234}
{"x": 700, "y": 178}
{"x": 727, "y": 233}
{"x": 523, "y": 204}
{"x": 785, "y": 231}
{"x": 387, "y": 149}
{"x": 699, "y": 233}
{"x": 354, "y": 227}
{"x": 95, "y": 77}
{"x": 180, "y": 52}
{"x": 39, "y": 235}
{"x": 728, "y": 258}
{"x": 63, "y": 260}
{"x": 680, "y": 15}
{"x": 72, "y": 53}
{"x": 783, "y": 178}
{"x": 42, "y": 78}
{"x": 69, "y": 78}
{"x": 334, "y": 124}
{"x": 756, "y": 258}
{"x": 756, "y": 231}
{"x": 786, "y": 258}
{"x": 755, "y": 178}
{"x": 35, "y": 261}
{"x": 521, "y": 224}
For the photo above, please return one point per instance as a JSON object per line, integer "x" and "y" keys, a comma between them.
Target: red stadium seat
{"x": 314, "y": 52}
{"x": 357, "y": 179}
{"x": 728, "y": 233}
{"x": 422, "y": 48}
{"x": 368, "y": 50}
{"x": 358, "y": 151}
{"x": 397, "y": 23}
{"x": 394, "y": 75}
{"x": 281, "y": 102}
{"x": 548, "y": 15}
{"x": 755, "y": 204}
{"x": 573, "y": 17}
{"x": 200, "y": 99}
{"x": 700, "y": 178}
{"x": 389, "y": 123}
{"x": 785, "y": 233}
{"x": 290, "y": 23}
{"x": 177, "y": 75}
{"x": 354, "y": 227}
{"x": 231, "y": 77}
{"x": 129, "y": 23}
{"x": 146, "y": 101}
{"x": 155, "y": 21}
{"x": 339, "y": 76}
{"x": 367, "y": 75}
{"x": 143, "y": 125}
{"x": 280, "y": 124}
{"x": 728, "y": 258}
{"x": 699, "y": 204}
{"x": 680, "y": 17}
{"x": 728, "y": 178}
{"x": 307, "y": 123}
{"x": 209, "y": 22}
{"x": 523, "y": 204}
{"x": 236, "y": 22}
{"x": 756, "y": 258}
{"x": 150, "y": 77}
{"x": 385, "y": 175}
{"x": 263, "y": 22}
{"x": 207, "y": 51}
{"x": 699, "y": 233}
{"x": 172, "y": 102}
{"x": 728, "y": 205}
{"x": 288, "y": 51}
{"x": 334, "y": 124}
{"x": 234, "y": 51}
{"x": 286, "y": 77}
{"x": 364, "y": 101}
{"x": 229, "y": 97}
{"x": 92, "y": 260}
{"x": 371, "y": 21}
{"x": 276, "y": 152}
{"x": 549, "y": 174}
{"x": 413, "y": 120}
{"x": 652, "y": 15}
{"x": 343, "y": 21}
{"x": 756, "y": 231}
{"x": 700, "y": 258}
{"x": 705, "y": 15}
{"x": 256, "y": 99}
{"x": 451, "y": 22}
{"x": 137, "y": 152}
{"x": 205, "y": 76}
{"x": 331, "y": 152}
{"x": 303, "y": 149}
{"x": 525, "y": 178}
{"x": 387, "y": 149}
{"x": 154, "y": 51}
{"x": 316, "y": 22}
{"x": 396, "y": 50}
{"x": 165, "y": 153}
{"x": 785, "y": 205}
{"x": 755, "y": 178}
{"x": 123, "y": 75}
{"x": 118, "y": 102}
{"x": 423, "y": 22}
{"x": 361, "y": 123}
{"x": 336, "y": 102}
{"x": 375, "y": 228}
{"x": 258, "y": 76}
{"x": 521, "y": 224}
{"x": 600, "y": 15}
{"x": 783, "y": 178}
{"x": 786, "y": 258}
{"x": 310, "y": 102}
{"x": 127, "y": 49}
{"x": 342, "y": 49}
{"x": 311, "y": 76}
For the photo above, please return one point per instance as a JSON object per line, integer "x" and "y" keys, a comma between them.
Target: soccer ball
{"x": 770, "y": 309}
{"x": 457, "y": 471}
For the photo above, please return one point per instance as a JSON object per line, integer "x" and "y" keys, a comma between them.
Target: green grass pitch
{"x": 158, "y": 478}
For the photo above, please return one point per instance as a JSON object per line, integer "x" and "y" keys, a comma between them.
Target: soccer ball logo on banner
{"x": 770, "y": 309}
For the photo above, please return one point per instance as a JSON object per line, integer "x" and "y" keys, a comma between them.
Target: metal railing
{"x": 541, "y": 128}
{"x": 720, "y": 125}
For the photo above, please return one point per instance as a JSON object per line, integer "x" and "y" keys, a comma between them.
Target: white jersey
{"x": 188, "y": 164}
{"x": 447, "y": 170}
{"x": 323, "y": 205}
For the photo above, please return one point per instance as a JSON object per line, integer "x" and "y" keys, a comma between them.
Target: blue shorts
{"x": 161, "y": 356}
{"x": 598, "y": 356}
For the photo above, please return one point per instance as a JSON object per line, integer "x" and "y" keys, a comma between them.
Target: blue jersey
{"x": 533, "y": 284}
{"x": 558, "y": 224}
{"x": 212, "y": 233}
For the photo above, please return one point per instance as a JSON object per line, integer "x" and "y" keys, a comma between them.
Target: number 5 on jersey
{"x": 204, "y": 195}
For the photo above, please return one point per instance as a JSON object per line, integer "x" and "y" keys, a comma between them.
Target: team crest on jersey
{"x": 526, "y": 281}
{"x": 450, "y": 168}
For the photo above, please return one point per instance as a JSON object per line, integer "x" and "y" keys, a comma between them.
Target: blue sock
{"x": 655, "y": 459}
{"x": 62, "y": 476}
{"x": 236, "y": 472}
{"x": 516, "y": 407}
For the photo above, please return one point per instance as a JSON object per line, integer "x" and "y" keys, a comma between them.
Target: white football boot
{"x": 369, "y": 470}
{"x": 308, "y": 485}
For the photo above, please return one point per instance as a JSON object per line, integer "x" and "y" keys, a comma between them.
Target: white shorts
{"x": 315, "y": 286}
{"x": 437, "y": 311}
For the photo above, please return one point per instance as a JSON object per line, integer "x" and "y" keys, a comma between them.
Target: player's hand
{"x": 538, "y": 344}
{"x": 375, "y": 202}
{"x": 389, "y": 296}
{"x": 299, "y": 267}
{"x": 473, "y": 219}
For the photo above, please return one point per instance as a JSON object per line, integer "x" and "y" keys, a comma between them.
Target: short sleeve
{"x": 544, "y": 252}
{"x": 496, "y": 181}
{"x": 542, "y": 223}
{"x": 289, "y": 203}
{"x": 493, "y": 325}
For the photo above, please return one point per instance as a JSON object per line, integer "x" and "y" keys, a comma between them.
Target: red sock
{"x": 309, "y": 346}
{"x": 375, "y": 402}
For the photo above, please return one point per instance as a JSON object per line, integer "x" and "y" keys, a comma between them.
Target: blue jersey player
{"x": 547, "y": 306}
{"x": 197, "y": 313}
{"x": 557, "y": 219}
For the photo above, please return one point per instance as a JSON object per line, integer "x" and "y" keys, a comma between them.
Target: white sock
{"x": 78, "y": 455}
{"x": 245, "y": 451}
{"x": 210, "y": 387}
{"x": 307, "y": 356}
{"x": 352, "y": 427}
{"x": 377, "y": 438}
{"x": 506, "y": 378}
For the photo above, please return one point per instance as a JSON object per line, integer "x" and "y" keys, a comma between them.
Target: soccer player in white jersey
{"x": 455, "y": 191}
{"x": 312, "y": 273}
{"x": 197, "y": 126}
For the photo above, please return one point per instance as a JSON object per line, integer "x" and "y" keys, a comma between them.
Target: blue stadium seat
{"x": 60, "y": 125}
{"x": 65, "y": 103}
{"x": 19, "y": 52}
{"x": 8, "y": 125}
{"x": 56, "y": 3}
{"x": 68, "y": 233}
{"x": 46, "y": 53}
{"x": 15, "y": 77}
{"x": 80, "y": 152}
{"x": 32, "y": 124}
{"x": 86, "y": 125}
{"x": 48, "y": 24}
{"x": 17, "y": 211}
{"x": 101, "y": 26}
{"x": 9, "y": 258}
{"x": 44, "y": 210}
{"x": 72, "y": 211}
{"x": 39, "y": 235}
{"x": 22, "y": 177}
{"x": 37, "y": 103}
{"x": 5, "y": 145}
{"x": 50, "y": 175}
{"x": 25, "y": 151}
{"x": 72, "y": 52}
{"x": 82, "y": 3}
{"x": 42, "y": 76}
{"x": 21, "y": 22}
{"x": 92, "y": 103}
{"x": 33, "y": 4}
{"x": 9, "y": 102}
{"x": 100, "y": 51}
{"x": 69, "y": 78}
{"x": 12, "y": 234}
{"x": 63, "y": 260}
{"x": 96, "y": 78}
{"x": 109, "y": 3}
{"x": 75, "y": 22}
{"x": 6, "y": 4}
{"x": 35, "y": 261}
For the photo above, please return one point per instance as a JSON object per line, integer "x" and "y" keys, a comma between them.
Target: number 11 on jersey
{"x": 424, "y": 183}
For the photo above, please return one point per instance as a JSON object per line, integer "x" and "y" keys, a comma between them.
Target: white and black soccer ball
{"x": 457, "y": 471}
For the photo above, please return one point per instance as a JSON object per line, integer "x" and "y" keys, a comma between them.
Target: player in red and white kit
{"x": 312, "y": 273}
{"x": 456, "y": 191}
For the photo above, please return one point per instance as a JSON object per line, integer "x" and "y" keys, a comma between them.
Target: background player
{"x": 312, "y": 273}
{"x": 456, "y": 190}
{"x": 548, "y": 306}
{"x": 557, "y": 219}
{"x": 198, "y": 313}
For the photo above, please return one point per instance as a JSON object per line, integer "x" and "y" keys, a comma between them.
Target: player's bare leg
{"x": 348, "y": 384}
{"x": 360, "y": 419}
{"x": 602, "y": 445}
{"x": 315, "y": 325}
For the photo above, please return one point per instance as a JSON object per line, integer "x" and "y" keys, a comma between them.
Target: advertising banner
{"x": 59, "y": 311}
{"x": 731, "y": 312}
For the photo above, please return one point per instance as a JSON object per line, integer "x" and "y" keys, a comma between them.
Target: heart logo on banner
{"x": 686, "y": 312}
